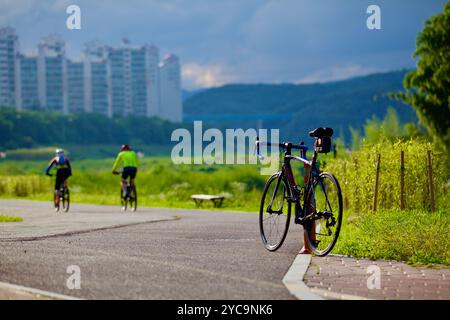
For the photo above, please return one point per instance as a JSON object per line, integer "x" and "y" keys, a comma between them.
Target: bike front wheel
{"x": 123, "y": 200}
{"x": 274, "y": 212}
{"x": 323, "y": 210}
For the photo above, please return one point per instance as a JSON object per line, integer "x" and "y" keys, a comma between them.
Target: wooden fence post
{"x": 430, "y": 180}
{"x": 402, "y": 180}
{"x": 377, "y": 175}
{"x": 345, "y": 183}
{"x": 356, "y": 194}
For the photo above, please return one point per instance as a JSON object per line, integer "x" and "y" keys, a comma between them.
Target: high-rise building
{"x": 75, "y": 86}
{"x": 152, "y": 81}
{"x": 52, "y": 74}
{"x": 170, "y": 92}
{"x": 134, "y": 76}
{"x": 124, "y": 80}
{"x": 144, "y": 83}
{"x": 138, "y": 81}
{"x": 119, "y": 67}
{"x": 97, "y": 91}
{"x": 27, "y": 83}
{"x": 9, "y": 48}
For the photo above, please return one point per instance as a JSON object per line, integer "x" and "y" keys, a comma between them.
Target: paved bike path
{"x": 204, "y": 254}
{"x": 40, "y": 220}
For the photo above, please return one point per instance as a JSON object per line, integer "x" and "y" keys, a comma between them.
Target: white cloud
{"x": 195, "y": 75}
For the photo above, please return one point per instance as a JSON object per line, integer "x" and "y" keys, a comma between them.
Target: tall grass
{"x": 356, "y": 174}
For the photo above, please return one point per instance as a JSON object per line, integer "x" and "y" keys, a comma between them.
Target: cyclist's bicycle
{"x": 129, "y": 199}
{"x": 64, "y": 199}
{"x": 317, "y": 203}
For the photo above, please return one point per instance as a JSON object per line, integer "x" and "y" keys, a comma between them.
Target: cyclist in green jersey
{"x": 128, "y": 160}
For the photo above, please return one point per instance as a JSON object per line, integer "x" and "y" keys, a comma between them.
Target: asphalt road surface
{"x": 180, "y": 254}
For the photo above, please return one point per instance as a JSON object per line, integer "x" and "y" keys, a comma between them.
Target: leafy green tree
{"x": 427, "y": 89}
{"x": 391, "y": 126}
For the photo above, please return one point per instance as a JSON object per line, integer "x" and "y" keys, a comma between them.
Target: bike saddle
{"x": 321, "y": 132}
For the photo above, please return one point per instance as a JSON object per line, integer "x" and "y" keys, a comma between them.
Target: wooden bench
{"x": 199, "y": 198}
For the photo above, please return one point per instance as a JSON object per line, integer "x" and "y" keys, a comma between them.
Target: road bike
{"x": 64, "y": 199}
{"x": 129, "y": 198}
{"x": 317, "y": 202}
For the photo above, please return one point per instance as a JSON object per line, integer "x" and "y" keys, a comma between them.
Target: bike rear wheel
{"x": 274, "y": 212}
{"x": 65, "y": 199}
{"x": 133, "y": 198}
{"x": 55, "y": 203}
{"x": 323, "y": 210}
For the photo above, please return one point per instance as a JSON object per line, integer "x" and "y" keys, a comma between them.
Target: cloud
{"x": 247, "y": 41}
{"x": 195, "y": 75}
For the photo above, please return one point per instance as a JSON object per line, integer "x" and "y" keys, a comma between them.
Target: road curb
{"x": 36, "y": 292}
{"x": 293, "y": 280}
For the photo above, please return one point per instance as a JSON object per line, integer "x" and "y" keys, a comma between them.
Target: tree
{"x": 427, "y": 89}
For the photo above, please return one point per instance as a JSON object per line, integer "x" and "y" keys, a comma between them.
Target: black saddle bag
{"x": 322, "y": 145}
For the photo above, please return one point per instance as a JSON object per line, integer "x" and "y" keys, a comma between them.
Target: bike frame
{"x": 286, "y": 171}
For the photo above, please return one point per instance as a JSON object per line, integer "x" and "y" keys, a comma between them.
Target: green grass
{"x": 4, "y": 218}
{"x": 414, "y": 236}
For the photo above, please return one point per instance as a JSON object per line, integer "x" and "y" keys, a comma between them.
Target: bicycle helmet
{"x": 59, "y": 152}
{"x": 125, "y": 147}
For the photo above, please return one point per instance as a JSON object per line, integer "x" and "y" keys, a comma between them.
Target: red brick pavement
{"x": 345, "y": 275}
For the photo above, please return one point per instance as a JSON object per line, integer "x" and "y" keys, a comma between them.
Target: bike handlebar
{"x": 283, "y": 145}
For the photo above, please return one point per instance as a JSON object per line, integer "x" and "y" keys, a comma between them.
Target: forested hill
{"x": 27, "y": 129}
{"x": 298, "y": 108}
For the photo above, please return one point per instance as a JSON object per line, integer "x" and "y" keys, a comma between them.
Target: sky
{"x": 239, "y": 41}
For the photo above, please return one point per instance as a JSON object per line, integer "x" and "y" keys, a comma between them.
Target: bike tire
{"x": 133, "y": 198}
{"x": 57, "y": 206}
{"x": 66, "y": 200}
{"x": 123, "y": 200}
{"x": 324, "y": 200}
{"x": 267, "y": 220}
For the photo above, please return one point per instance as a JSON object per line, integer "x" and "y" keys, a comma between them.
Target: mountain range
{"x": 297, "y": 108}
